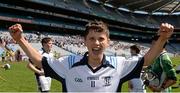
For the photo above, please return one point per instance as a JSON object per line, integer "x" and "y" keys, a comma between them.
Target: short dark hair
{"x": 45, "y": 40}
{"x": 99, "y": 26}
{"x": 136, "y": 48}
{"x": 156, "y": 37}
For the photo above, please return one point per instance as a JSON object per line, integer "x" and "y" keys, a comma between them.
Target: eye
{"x": 91, "y": 39}
{"x": 101, "y": 39}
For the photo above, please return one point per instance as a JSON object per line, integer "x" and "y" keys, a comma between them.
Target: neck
{"x": 134, "y": 54}
{"x": 95, "y": 62}
{"x": 47, "y": 51}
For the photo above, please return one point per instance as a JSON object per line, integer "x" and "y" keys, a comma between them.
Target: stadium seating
{"x": 122, "y": 24}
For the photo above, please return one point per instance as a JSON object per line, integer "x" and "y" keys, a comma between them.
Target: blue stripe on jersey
{"x": 69, "y": 61}
{"x": 73, "y": 60}
{"x": 110, "y": 59}
{"x": 115, "y": 64}
{"x": 113, "y": 61}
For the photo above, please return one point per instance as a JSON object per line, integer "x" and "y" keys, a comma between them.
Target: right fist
{"x": 15, "y": 28}
{"x": 15, "y": 32}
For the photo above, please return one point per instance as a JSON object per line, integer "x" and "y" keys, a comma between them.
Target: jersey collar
{"x": 84, "y": 61}
{"x": 105, "y": 63}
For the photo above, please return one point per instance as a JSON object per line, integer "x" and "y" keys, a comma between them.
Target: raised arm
{"x": 165, "y": 32}
{"x": 33, "y": 54}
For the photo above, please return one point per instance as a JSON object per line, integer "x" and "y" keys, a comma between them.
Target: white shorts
{"x": 137, "y": 85}
{"x": 45, "y": 83}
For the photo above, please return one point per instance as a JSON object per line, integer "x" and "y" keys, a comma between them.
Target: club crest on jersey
{"x": 107, "y": 80}
{"x": 78, "y": 80}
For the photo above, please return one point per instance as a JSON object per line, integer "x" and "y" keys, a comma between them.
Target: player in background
{"x": 43, "y": 83}
{"x": 136, "y": 84}
{"x": 163, "y": 68}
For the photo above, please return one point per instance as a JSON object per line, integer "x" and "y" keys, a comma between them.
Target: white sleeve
{"x": 131, "y": 67}
{"x": 56, "y": 68}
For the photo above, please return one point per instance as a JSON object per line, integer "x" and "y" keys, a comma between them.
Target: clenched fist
{"x": 16, "y": 32}
{"x": 165, "y": 30}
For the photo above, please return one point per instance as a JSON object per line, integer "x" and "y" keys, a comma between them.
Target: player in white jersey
{"x": 44, "y": 83}
{"x": 94, "y": 71}
{"x": 136, "y": 84}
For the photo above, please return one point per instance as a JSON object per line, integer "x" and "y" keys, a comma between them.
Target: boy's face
{"x": 96, "y": 43}
{"x": 133, "y": 52}
{"x": 48, "y": 46}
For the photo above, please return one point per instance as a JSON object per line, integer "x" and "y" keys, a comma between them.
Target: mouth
{"x": 96, "y": 50}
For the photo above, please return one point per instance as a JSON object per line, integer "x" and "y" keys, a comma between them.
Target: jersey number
{"x": 92, "y": 83}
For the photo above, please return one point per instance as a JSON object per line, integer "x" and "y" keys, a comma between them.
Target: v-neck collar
{"x": 104, "y": 62}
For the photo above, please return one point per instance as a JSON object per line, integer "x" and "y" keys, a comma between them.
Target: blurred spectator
{"x": 136, "y": 84}
{"x": 163, "y": 69}
{"x": 18, "y": 55}
{"x": 44, "y": 83}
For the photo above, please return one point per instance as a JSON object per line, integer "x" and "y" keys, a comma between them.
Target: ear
{"x": 85, "y": 41}
{"x": 108, "y": 42}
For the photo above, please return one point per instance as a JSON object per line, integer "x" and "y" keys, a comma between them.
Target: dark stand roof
{"x": 150, "y": 6}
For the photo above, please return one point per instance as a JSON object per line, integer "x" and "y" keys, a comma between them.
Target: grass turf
{"x": 21, "y": 79}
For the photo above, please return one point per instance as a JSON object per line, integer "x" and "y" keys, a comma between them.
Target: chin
{"x": 97, "y": 55}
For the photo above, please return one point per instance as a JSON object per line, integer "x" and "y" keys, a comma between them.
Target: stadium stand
{"x": 70, "y": 16}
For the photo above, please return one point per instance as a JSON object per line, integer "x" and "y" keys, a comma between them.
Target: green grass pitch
{"x": 20, "y": 79}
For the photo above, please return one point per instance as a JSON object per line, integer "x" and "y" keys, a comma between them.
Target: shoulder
{"x": 165, "y": 57}
{"x": 64, "y": 60}
{"x": 110, "y": 58}
{"x": 70, "y": 58}
{"x": 40, "y": 51}
{"x": 115, "y": 60}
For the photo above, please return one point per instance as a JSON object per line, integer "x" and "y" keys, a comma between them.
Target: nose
{"x": 97, "y": 42}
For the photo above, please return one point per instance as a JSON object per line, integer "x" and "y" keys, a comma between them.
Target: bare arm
{"x": 165, "y": 32}
{"x": 34, "y": 69}
{"x": 168, "y": 83}
{"x": 165, "y": 85}
{"x": 130, "y": 86}
{"x": 33, "y": 54}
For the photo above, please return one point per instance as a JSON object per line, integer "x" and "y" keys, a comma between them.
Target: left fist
{"x": 166, "y": 30}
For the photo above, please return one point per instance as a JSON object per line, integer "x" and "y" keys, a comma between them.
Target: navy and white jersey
{"x": 44, "y": 83}
{"x": 137, "y": 83}
{"x": 77, "y": 75}
{"x": 45, "y": 54}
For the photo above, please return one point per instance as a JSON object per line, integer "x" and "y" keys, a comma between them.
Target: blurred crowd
{"x": 70, "y": 43}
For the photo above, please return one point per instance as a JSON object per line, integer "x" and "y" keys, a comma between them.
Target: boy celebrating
{"x": 94, "y": 71}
